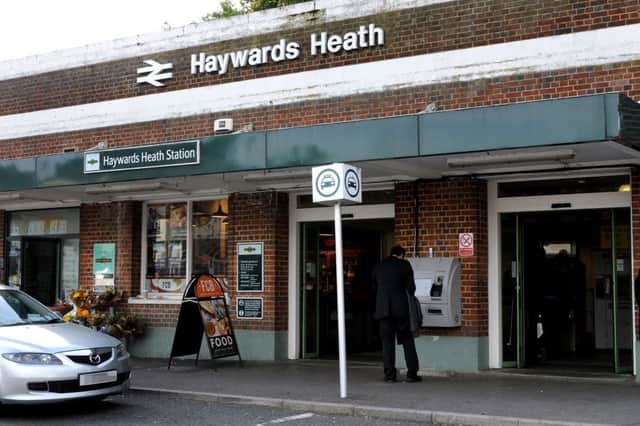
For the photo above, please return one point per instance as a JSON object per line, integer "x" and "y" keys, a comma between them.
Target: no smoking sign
{"x": 465, "y": 244}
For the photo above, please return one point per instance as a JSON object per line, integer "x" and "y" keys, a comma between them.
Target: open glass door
{"x": 512, "y": 296}
{"x": 310, "y": 292}
{"x": 622, "y": 282}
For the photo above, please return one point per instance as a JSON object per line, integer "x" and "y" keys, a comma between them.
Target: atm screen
{"x": 423, "y": 285}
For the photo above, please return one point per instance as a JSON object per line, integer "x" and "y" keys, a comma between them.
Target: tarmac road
{"x": 141, "y": 408}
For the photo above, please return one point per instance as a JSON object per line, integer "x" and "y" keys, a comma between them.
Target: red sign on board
{"x": 208, "y": 286}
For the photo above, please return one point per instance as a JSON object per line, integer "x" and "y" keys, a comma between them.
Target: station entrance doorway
{"x": 365, "y": 242}
{"x": 567, "y": 290}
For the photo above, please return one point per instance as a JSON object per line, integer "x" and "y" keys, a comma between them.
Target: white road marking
{"x": 287, "y": 419}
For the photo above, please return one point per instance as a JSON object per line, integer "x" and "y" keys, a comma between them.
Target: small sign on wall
{"x": 250, "y": 266}
{"x": 104, "y": 266}
{"x": 249, "y": 307}
{"x": 465, "y": 244}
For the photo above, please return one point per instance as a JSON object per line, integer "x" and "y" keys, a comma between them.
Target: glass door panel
{"x": 511, "y": 306}
{"x": 622, "y": 282}
{"x": 40, "y": 260}
{"x": 310, "y": 292}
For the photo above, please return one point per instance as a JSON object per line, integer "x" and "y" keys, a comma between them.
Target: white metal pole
{"x": 342, "y": 344}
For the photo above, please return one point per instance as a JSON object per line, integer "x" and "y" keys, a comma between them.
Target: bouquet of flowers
{"x": 98, "y": 311}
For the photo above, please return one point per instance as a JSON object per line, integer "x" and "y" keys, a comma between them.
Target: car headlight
{"x": 121, "y": 350}
{"x": 33, "y": 358}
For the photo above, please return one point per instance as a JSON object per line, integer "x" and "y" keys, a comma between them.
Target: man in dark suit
{"x": 392, "y": 281}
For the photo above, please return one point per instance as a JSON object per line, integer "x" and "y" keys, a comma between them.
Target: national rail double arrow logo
{"x": 156, "y": 72}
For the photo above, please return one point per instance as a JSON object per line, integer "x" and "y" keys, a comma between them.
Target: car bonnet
{"x": 51, "y": 338}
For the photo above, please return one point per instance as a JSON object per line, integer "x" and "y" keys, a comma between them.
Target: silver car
{"x": 45, "y": 359}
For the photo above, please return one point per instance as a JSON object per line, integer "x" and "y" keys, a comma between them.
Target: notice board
{"x": 250, "y": 266}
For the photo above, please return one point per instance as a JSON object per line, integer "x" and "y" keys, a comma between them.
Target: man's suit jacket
{"x": 392, "y": 279}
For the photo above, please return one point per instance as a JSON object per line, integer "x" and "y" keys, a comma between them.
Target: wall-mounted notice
{"x": 249, "y": 307}
{"x": 250, "y": 266}
{"x": 104, "y": 266}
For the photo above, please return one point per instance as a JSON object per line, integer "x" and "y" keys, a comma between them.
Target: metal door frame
{"x": 496, "y": 206}
{"x": 316, "y": 214}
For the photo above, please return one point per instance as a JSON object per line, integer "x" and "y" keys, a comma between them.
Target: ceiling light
{"x": 10, "y": 196}
{"x": 124, "y": 188}
{"x": 510, "y": 157}
{"x": 625, "y": 187}
{"x": 219, "y": 212}
{"x": 280, "y": 175}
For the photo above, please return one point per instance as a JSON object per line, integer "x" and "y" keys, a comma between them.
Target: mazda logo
{"x": 94, "y": 359}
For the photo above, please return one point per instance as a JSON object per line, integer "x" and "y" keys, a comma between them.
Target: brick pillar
{"x": 262, "y": 217}
{"x": 119, "y": 223}
{"x": 437, "y": 211}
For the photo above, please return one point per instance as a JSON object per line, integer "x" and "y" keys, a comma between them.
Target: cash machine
{"x": 438, "y": 290}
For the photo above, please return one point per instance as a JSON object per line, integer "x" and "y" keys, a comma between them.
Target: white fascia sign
{"x": 322, "y": 43}
{"x": 337, "y": 182}
{"x": 319, "y": 44}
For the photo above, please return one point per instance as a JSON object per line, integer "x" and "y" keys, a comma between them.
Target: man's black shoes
{"x": 390, "y": 379}
{"x": 413, "y": 378}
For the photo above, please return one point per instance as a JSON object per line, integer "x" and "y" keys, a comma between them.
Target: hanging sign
{"x": 204, "y": 311}
{"x": 249, "y": 307}
{"x": 142, "y": 157}
{"x": 250, "y": 266}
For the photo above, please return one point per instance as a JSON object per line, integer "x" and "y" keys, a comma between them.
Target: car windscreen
{"x": 19, "y": 308}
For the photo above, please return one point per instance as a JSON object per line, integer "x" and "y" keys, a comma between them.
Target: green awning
{"x": 607, "y": 117}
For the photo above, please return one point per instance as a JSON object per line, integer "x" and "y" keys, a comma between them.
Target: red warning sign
{"x": 465, "y": 244}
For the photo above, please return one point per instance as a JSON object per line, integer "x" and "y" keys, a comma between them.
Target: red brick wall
{"x": 118, "y": 222}
{"x": 434, "y": 28}
{"x": 262, "y": 217}
{"x": 445, "y": 209}
{"x": 157, "y": 315}
{"x": 624, "y": 77}
{"x": 252, "y": 218}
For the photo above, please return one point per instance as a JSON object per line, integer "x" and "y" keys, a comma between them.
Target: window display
{"x": 166, "y": 247}
{"x": 209, "y": 237}
{"x": 169, "y": 263}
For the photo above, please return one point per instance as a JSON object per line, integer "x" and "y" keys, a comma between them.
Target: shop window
{"x": 209, "y": 222}
{"x": 166, "y": 247}
{"x": 180, "y": 244}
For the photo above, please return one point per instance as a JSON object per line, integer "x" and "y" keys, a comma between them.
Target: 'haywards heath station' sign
{"x": 143, "y": 157}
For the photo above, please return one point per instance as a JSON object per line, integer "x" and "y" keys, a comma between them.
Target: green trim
{"x": 561, "y": 121}
{"x": 254, "y": 345}
{"x": 444, "y": 353}
{"x": 558, "y": 121}
{"x": 340, "y": 142}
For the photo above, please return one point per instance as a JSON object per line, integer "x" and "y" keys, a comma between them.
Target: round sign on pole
{"x": 327, "y": 182}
